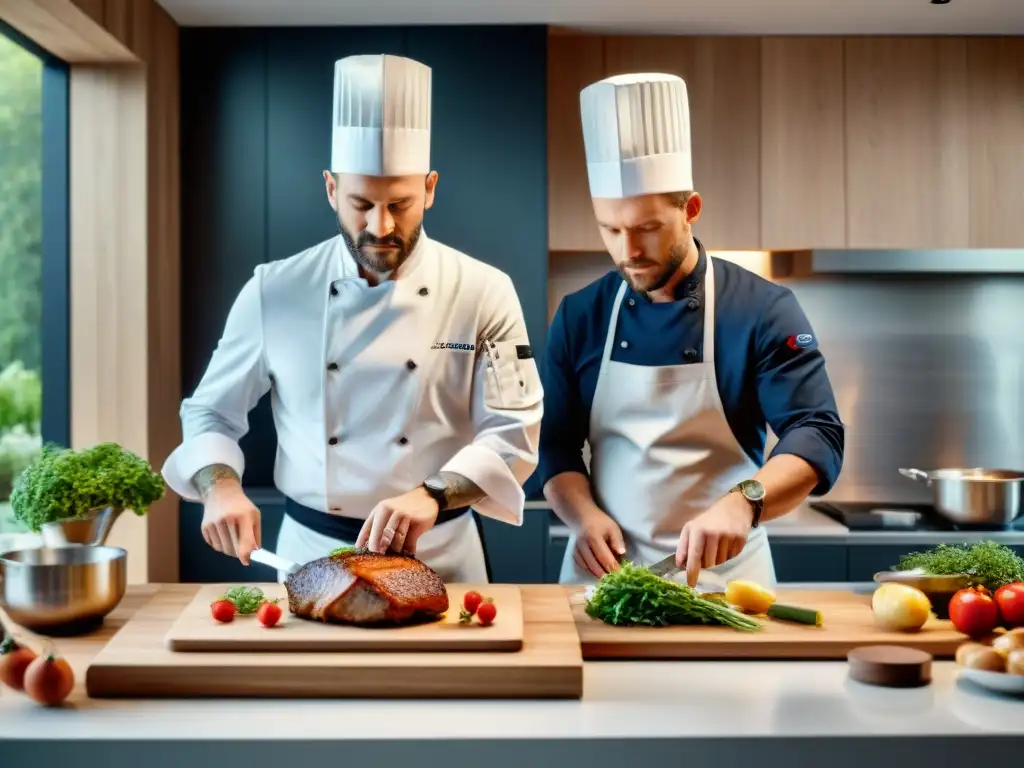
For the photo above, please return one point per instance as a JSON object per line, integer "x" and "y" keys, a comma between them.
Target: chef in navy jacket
{"x": 403, "y": 385}
{"x": 670, "y": 368}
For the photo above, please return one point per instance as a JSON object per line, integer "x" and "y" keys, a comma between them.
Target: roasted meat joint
{"x": 367, "y": 588}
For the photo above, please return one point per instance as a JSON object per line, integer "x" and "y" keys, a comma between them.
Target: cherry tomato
{"x": 269, "y": 613}
{"x": 1010, "y": 599}
{"x": 486, "y": 612}
{"x": 472, "y": 601}
{"x": 49, "y": 680}
{"x": 973, "y": 611}
{"x": 14, "y": 661}
{"x": 223, "y": 610}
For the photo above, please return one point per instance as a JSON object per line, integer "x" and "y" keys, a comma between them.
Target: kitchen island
{"x": 631, "y": 713}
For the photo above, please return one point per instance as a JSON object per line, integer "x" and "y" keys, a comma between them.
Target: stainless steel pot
{"x": 976, "y": 496}
{"x": 63, "y": 591}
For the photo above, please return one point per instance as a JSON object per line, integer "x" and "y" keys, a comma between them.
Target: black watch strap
{"x": 437, "y": 490}
{"x": 753, "y": 492}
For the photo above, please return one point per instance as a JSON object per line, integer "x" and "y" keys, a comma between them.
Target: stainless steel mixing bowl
{"x": 63, "y": 591}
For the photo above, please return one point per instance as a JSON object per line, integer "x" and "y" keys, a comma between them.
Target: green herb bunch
{"x": 62, "y": 484}
{"x": 986, "y": 562}
{"x": 246, "y": 599}
{"x": 634, "y": 595}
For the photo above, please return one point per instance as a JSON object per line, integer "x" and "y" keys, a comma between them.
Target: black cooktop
{"x": 884, "y": 516}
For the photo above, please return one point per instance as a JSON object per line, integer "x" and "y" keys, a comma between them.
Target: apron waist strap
{"x": 343, "y": 528}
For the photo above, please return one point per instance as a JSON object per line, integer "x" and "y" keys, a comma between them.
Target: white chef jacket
{"x": 374, "y": 388}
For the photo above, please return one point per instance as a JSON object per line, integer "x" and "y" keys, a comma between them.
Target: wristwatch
{"x": 752, "y": 491}
{"x": 437, "y": 489}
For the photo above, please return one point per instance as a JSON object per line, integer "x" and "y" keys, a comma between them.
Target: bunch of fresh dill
{"x": 633, "y": 595}
{"x": 986, "y": 562}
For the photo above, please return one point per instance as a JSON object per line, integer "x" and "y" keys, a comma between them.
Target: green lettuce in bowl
{"x": 64, "y": 484}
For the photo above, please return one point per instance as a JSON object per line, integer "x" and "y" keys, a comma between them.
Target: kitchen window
{"x": 34, "y": 353}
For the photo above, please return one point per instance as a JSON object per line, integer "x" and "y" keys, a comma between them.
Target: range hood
{"x": 924, "y": 261}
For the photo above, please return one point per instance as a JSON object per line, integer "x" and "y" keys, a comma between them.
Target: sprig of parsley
{"x": 246, "y": 599}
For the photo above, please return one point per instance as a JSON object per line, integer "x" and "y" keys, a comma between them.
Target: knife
{"x": 664, "y": 567}
{"x": 269, "y": 558}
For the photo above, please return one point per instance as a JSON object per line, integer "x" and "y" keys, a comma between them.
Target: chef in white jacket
{"x": 671, "y": 367}
{"x": 403, "y": 385}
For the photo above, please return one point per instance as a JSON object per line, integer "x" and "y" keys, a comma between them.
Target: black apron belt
{"x": 340, "y": 527}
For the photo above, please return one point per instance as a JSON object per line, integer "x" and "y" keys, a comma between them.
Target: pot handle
{"x": 915, "y": 474}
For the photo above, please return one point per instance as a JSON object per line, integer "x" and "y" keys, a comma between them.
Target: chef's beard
{"x": 644, "y": 284}
{"x": 380, "y": 262}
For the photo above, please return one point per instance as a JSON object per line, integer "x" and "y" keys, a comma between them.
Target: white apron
{"x": 662, "y": 452}
{"x": 453, "y": 548}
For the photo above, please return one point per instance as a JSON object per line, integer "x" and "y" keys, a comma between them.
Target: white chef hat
{"x": 636, "y": 132}
{"x": 381, "y": 118}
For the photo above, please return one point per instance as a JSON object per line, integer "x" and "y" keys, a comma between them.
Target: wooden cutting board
{"x": 196, "y": 629}
{"x": 848, "y": 623}
{"x": 136, "y": 663}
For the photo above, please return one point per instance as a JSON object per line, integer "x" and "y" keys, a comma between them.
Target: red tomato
{"x": 973, "y": 611}
{"x": 1010, "y": 599}
{"x": 472, "y": 601}
{"x": 269, "y": 613}
{"x": 223, "y": 610}
{"x": 486, "y": 612}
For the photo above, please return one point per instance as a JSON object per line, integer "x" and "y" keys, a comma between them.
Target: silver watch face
{"x": 752, "y": 489}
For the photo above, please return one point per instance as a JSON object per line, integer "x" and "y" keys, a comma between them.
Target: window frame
{"x": 56, "y": 251}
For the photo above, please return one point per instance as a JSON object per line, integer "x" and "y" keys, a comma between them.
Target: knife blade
{"x": 664, "y": 567}
{"x": 269, "y": 558}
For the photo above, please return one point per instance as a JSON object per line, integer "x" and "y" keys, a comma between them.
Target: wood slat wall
{"x": 125, "y": 246}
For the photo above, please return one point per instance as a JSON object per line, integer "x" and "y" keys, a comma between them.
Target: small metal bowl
{"x": 62, "y": 591}
{"x": 938, "y": 588}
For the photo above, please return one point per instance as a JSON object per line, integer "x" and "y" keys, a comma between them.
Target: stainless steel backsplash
{"x": 928, "y": 372}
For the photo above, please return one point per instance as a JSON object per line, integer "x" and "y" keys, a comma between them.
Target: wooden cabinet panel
{"x": 996, "y": 84}
{"x": 907, "y": 141}
{"x": 574, "y": 62}
{"x": 803, "y": 185}
{"x": 724, "y": 83}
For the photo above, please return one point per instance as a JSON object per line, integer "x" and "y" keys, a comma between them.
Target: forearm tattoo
{"x": 460, "y": 491}
{"x": 215, "y": 474}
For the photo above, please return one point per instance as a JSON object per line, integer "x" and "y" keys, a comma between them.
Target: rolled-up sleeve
{"x": 507, "y": 407}
{"x": 563, "y": 431}
{"x": 216, "y": 416}
{"x": 794, "y": 390}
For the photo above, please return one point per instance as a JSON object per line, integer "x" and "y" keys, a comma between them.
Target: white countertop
{"x": 628, "y": 700}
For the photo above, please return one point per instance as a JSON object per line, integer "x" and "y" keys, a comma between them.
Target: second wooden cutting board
{"x": 196, "y": 629}
{"x": 848, "y": 623}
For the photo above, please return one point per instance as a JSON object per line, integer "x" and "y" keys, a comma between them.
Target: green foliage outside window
{"x": 21, "y": 259}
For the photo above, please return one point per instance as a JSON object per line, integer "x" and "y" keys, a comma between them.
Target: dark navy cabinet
{"x": 255, "y": 139}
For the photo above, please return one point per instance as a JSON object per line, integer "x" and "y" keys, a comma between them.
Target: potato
{"x": 1015, "y": 662}
{"x": 900, "y": 607}
{"x": 1010, "y": 641}
{"x": 984, "y": 658}
{"x": 966, "y": 650}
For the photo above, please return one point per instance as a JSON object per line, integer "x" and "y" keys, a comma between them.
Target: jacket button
{"x": 692, "y": 304}
{"x": 410, "y": 364}
{"x": 424, "y": 291}
{"x": 632, "y": 302}
{"x": 333, "y": 441}
{"x": 403, "y": 440}
{"x": 690, "y": 354}
{"x": 624, "y": 344}
{"x": 332, "y": 367}
{"x": 334, "y": 290}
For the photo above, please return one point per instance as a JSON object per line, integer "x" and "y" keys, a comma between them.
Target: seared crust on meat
{"x": 363, "y": 587}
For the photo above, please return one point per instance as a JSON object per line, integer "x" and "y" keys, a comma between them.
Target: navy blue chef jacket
{"x": 765, "y": 372}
